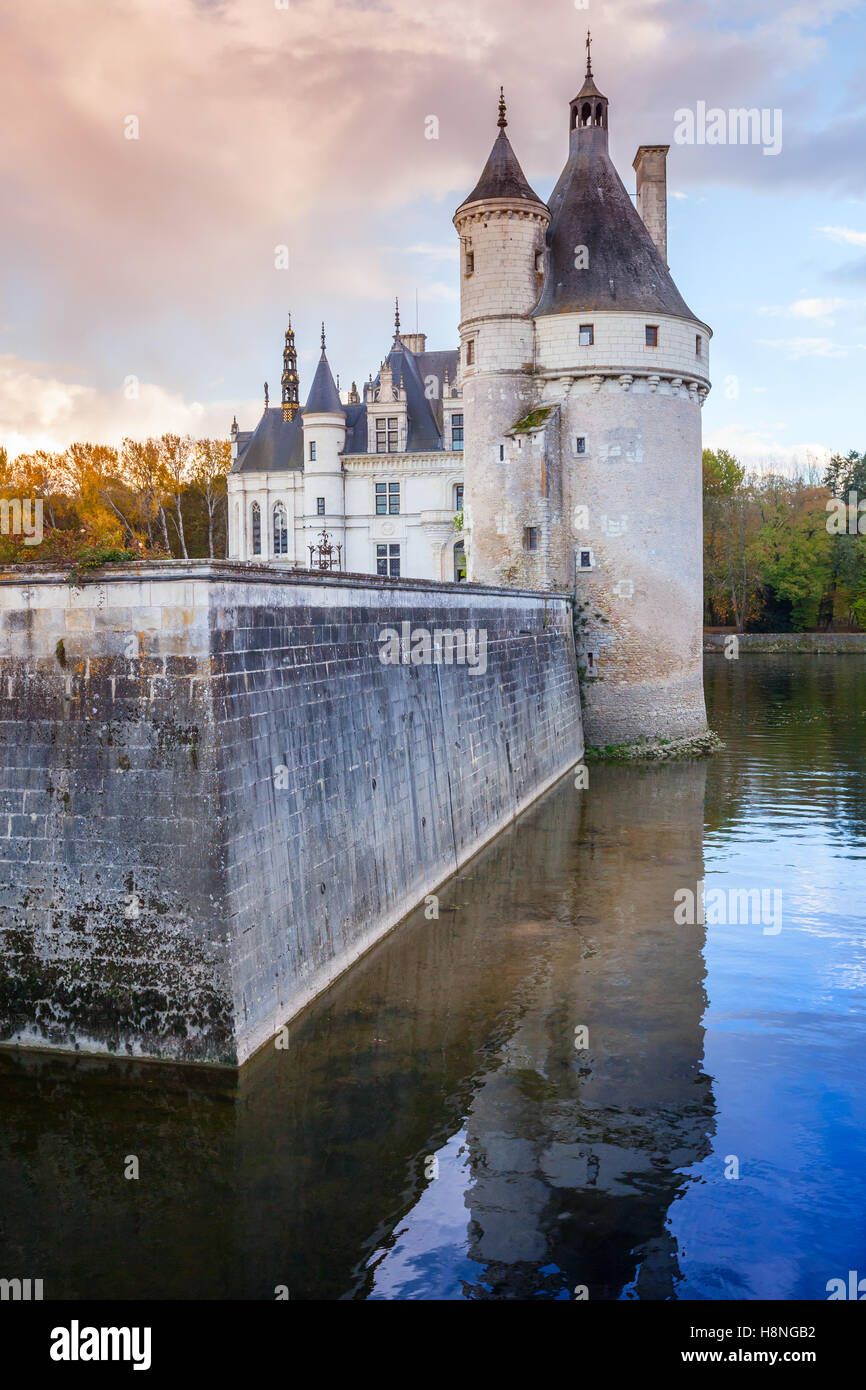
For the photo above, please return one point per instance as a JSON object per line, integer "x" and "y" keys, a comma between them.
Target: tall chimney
{"x": 650, "y": 166}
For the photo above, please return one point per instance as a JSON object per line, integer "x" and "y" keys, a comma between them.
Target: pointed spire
{"x": 289, "y": 378}
{"x": 396, "y": 320}
{"x": 502, "y": 122}
{"x": 588, "y": 54}
{"x": 324, "y": 398}
{"x": 502, "y": 176}
{"x": 266, "y": 395}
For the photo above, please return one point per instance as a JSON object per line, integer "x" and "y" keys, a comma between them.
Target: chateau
{"x": 569, "y": 421}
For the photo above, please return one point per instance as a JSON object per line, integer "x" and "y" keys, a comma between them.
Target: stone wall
{"x": 214, "y": 795}
{"x": 798, "y": 643}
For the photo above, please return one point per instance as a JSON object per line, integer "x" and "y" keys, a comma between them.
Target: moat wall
{"x": 214, "y": 795}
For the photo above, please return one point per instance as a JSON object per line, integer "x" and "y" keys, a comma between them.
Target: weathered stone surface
{"x": 214, "y": 795}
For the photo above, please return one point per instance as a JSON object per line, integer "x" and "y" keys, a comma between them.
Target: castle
{"x": 569, "y": 421}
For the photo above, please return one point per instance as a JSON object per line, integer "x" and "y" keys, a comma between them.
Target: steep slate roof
{"x": 590, "y": 207}
{"x": 276, "y": 445}
{"x": 424, "y": 414}
{"x": 356, "y": 429}
{"x": 502, "y": 176}
{"x": 324, "y": 398}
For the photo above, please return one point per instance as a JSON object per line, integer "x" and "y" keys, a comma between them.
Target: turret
{"x": 324, "y": 423}
{"x": 623, "y": 362}
{"x": 501, "y": 226}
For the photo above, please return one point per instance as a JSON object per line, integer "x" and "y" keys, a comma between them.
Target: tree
{"x": 211, "y": 462}
{"x": 174, "y": 455}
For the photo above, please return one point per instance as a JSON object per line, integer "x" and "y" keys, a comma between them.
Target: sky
{"x": 157, "y": 154}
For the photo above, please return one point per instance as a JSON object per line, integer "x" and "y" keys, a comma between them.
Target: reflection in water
{"x": 451, "y": 1049}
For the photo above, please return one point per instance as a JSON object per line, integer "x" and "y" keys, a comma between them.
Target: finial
{"x": 266, "y": 395}
{"x": 396, "y": 318}
{"x": 588, "y": 59}
{"x": 502, "y": 122}
{"x": 323, "y": 336}
{"x": 234, "y": 424}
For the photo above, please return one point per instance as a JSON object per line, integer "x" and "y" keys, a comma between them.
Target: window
{"x": 699, "y": 344}
{"x": 470, "y": 352}
{"x": 501, "y": 452}
{"x": 386, "y": 434}
{"x": 257, "y": 528}
{"x": 456, "y": 431}
{"x": 459, "y": 562}
{"x": 388, "y": 561}
{"x": 580, "y": 444}
{"x": 458, "y": 497}
{"x": 652, "y": 335}
{"x": 470, "y": 262}
{"x": 530, "y": 538}
{"x": 312, "y": 450}
{"x": 584, "y": 559}
{"x": 387, "y": 499}
{"x": 586, "y": 336}
{"x": 320, "y": 506}
{"x": 281, "y": 530}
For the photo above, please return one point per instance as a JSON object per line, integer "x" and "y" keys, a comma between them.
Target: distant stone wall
{"x": 214, "y": 795}
{"x": 840, "y": 643}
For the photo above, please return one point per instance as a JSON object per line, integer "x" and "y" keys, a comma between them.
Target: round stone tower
{"x": 620, "y": 350}
{"x": 600, "y": 441}
{"x": 501, "y": 226}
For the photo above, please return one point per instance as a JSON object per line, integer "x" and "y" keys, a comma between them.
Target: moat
{"x": 549, "y": 1088}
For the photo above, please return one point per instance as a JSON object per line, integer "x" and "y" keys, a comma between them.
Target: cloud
{"x": 845, "y": 234}
{"x": 38, "y": 410}
{"x": 806, "y": 309}
{"x": 760, "y": 450}
{"x": 795, "y": 348}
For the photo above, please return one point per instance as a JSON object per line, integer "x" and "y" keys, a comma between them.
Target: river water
{"x": 553, "y": 1088}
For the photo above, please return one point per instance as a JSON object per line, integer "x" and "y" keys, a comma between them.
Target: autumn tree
{"x": 210, "y": 465}
{"x": 175, "y": 453}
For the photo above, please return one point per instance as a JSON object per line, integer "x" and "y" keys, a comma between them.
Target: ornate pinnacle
{"x": 396, "y": 318}
{"x": 588, "y": 59}
{"x": 323, "y": 337}
{"x": 502, "y": 122}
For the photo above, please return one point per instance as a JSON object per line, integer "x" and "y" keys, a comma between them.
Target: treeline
{"x": 784, "y": 554}
{"x": 151, "y": 497}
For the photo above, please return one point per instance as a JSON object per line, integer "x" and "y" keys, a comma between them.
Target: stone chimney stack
{"x": 650, "y": 166}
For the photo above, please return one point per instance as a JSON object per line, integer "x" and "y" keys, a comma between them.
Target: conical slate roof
{"x": 324, "y": 398}
{"x": 590, "y": 207}
{"x": 502, "y": 176}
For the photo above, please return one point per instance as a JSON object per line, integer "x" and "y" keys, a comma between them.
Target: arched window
{"x": 585, "y": 113}
{"x": 281, "y": 530}
{"x": 256, "y": 516}
{"x": 459, "y": 562}
{"x": 598, "y": 114}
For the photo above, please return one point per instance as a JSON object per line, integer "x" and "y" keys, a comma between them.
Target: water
{"x": 602, "y": 1165}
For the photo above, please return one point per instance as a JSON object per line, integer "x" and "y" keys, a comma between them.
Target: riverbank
{"x": 791, "y": 643}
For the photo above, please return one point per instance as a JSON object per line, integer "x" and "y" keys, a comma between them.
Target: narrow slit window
{"x": 530, "y": 538}
{"x": 652, "y": 335}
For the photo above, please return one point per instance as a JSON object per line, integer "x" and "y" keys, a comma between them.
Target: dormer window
{"x": 586, "y": 335}
{"x": 652, "y": 335}
{"x": 386, "y": 434}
